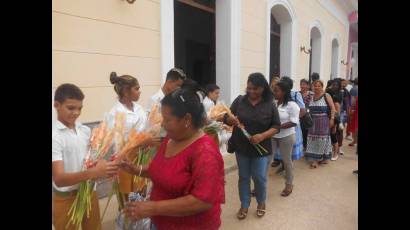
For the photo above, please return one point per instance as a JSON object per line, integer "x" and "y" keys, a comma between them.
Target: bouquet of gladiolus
{"x": 154, "y": 126}
{"x": 100, "y": 143}
{"x": 133, "y": 150}
{"x": 219, "y": 110}
{"x": 128, "y": 151}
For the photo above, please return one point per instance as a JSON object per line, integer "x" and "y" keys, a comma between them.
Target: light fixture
{"x": 302, "y": 48}
{"x": 130, "y": 1}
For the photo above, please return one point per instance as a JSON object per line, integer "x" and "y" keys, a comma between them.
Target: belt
{"x": 68, "y": 193}
{"x": 65, "y": 194}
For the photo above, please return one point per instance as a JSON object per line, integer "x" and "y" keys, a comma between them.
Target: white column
{"x": 167, "y": 37}
{"x": 227, "y": 26}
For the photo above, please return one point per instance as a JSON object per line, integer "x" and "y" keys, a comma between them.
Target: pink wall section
{"x": 353, "y": 37}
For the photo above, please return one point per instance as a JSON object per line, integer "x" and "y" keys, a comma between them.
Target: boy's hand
{"x": 104, "y": 168}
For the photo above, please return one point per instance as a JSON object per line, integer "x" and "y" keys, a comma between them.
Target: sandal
{"x": 323, "y": 162}
{"x": 287, "y": 191}
{"x": 260, "y": 212}
{"x": 352, "y": 144}
{"x": 275, "y": 164}
{"x": 242, "y": 213}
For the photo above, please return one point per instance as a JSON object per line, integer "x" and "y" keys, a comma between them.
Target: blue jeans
{"x": 257, "y": 168}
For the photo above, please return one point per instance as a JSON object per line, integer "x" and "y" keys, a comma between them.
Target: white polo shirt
{"x": 70, "y": 146}
{"x": 288, "y": 113}
{"x": 133, "y": 119}
{"x": 155, "y": 99}
{"x": 208, "y": 103}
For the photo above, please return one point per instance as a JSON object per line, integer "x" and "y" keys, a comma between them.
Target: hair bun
{"x": 113, "y": 78}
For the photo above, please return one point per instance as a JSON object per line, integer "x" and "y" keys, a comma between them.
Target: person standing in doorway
{"x": 212, "y": 96}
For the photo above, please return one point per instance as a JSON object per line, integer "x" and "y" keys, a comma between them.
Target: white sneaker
{"x": 335, "y": 158}
{"x": 348, "y": 138}
{"x": 341, "y": 152}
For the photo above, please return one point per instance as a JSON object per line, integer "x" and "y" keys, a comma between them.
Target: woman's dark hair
{"x": 314, "y": 77}
{"x": 194, "y": 86}
{"x": 329, "y": 83}
{"x": 284, "y": 86}
{"x": 356, "y": 81}
{"x": 258, "y": 80}
{"x": 304, "y": 81}
{"x": 288, "y": 80}
{"x": 68, "y": 91}
{"x": 183, "y": 101}
{"x": 122, "y": 83}
{"x": 210, "y": 88}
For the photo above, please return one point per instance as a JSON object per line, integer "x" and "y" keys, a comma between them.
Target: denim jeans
{"x": 255, "y": 167}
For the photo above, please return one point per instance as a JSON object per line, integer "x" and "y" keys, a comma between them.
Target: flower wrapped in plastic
{"x": 122, "y": 222}
{"x": 137, "y": 151}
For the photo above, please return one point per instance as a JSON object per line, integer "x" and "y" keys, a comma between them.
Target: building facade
{"x": 219, "y": 41}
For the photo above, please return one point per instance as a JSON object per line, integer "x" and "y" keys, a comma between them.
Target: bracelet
{"x": 139, "y": 174}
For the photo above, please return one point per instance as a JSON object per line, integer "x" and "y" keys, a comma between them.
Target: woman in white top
{"x": 212, "y": 95}
{"x": 211, "y": 99}
{"x": 128, "y": 91}
{"x": 285, "y": 139}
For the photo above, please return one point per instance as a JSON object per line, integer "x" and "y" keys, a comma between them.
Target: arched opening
{"x": 335, "y": 59}
{"x": 280, "y": 51}
{"x": 315, "y": 55}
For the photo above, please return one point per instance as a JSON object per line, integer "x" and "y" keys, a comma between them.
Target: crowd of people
{"x": 185, "y": 194}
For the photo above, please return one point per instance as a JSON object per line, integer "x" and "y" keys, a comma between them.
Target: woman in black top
{"x": 258, "y": 114}
{"x": 334, "y": 91}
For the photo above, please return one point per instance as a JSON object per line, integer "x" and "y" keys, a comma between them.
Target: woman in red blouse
{"x": 187, "y": 172}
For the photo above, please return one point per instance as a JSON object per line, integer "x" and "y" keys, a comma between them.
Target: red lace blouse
{"x": 197, "y": 170}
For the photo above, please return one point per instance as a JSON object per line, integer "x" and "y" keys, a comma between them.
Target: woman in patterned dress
{"x": 318, "y": 142}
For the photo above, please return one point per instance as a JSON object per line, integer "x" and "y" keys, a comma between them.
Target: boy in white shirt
{"x": 174, "y": 80}
{"x": 70, "y": 142}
